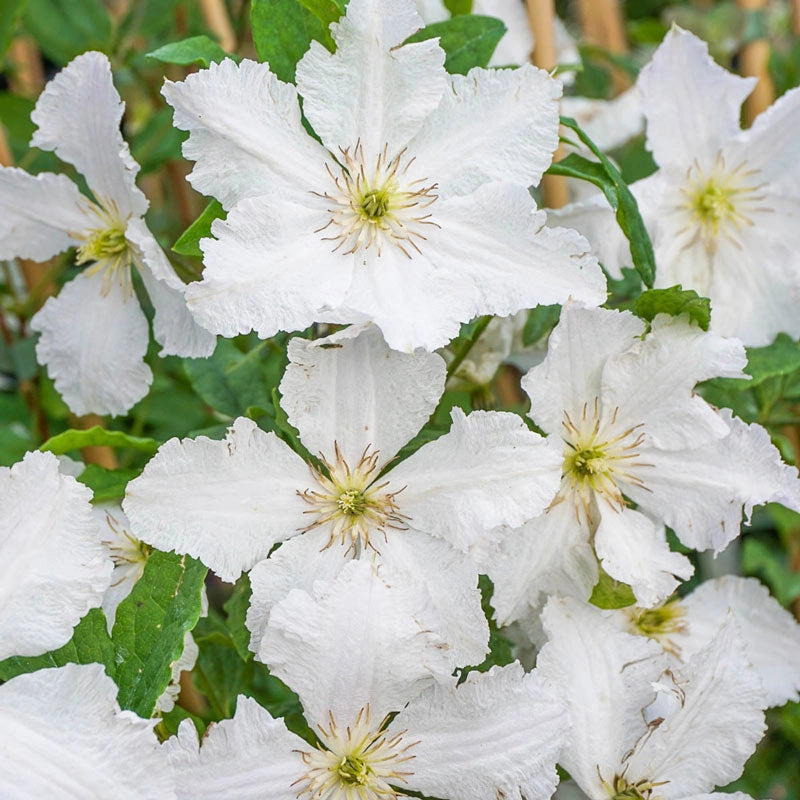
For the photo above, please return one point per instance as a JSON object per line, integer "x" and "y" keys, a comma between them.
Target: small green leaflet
{"x": 674, "y": 301}
{"x": 106, "y": 484}
{"x": 611, "y": 593}
{"x": 188, "y": 243}
{"x": 606, "y": 176}
{"x": 194, "y": 50}
{"x": 92, "y": 437}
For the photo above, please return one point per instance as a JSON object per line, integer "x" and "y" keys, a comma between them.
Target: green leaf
{"x": 74, "y": 440}
{"x": 157, "y": 142}
{"x": 606, "y": 177}
{"x": 282, "y": 32}
{"x": 194, "y": 50}
{"x": 236, "y": 609}
{"x": 782, "y": 357}
{"x": 188, "y": 243}
{"x": 327, "y": 11}
{"x": 541, "y": 320}
{"x": 10, "y": 14}
{"x": 500, "y": 648}
{"x": 65, "y": 28}
{"x": 468, "y": 41}
{"x": 90, "y": 643}
{"x": 611, "y": 593}
{"x": 674, "y": 301}
{"x": 456, "y": 7}
{"x": 150, "y": 626}
{"x": 106, "y": 484}
{"x": 23, "y": 358}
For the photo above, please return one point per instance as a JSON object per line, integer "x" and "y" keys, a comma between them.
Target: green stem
{"x": 463, "y": 351}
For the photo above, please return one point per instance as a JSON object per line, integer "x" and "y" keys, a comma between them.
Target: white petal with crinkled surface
{"x": 62, "y": 735}
{"x": 246, "y": 136}
{"x": 372, "y": 90}
{"x": 498, "y": 734}
{"x": 705, "y": 741}
{"x": 78, "y": 117}
{"x": 350, "y": 388}
{"x": 457, "y": 146}
{"x": 604, "y": 675}
{"x": 489, "y": 470}
{"x": 692, "y": 105}
{"x": 40, "y": 215}
{"x": 633, "y": 549}
{"x": 94, "y": 359}
{"x": 701, "y": 493}
{"x": 224, "y": 502}
{"x": 355, "y": 642}
{"x": 249, "y": 757}
{"x": 770, "y": 633}
{"x": 53, "y": 567}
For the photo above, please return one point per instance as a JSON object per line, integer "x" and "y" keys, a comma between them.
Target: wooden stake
{"x": 27, "y": 76}
{"x": 102, "y": 455}
{"x": 796, "y": 17}
{"x": 541, "y": 14}
{"x": 602, "y": 24}
{"x": 754, "y": 61}
{"x": 216, "y": 17}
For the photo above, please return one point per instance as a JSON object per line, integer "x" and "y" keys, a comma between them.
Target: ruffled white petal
{"x": 63, "y": 735}
{"x": 489, "y": 470}
{"x": 692, "y": 105}
{"x": 355, "y": 642}
{"x": 250, "y": 757}
{"x": 608, "y": 123}
{"x": 770, "y": 633}
{"x": 498, "y": 734}
{"x": 701, "y": 493}
{"x": 706, "y": 740}
{"x": 224, "y": 502}
{"x": 40, "y": 215}
{"x": 246, "y": 136}
{"x": 268, "y": 270}
{"x": 633, "y": 549}
{"x": 456, "y": 146}
{"x": 604, "y": 676}
{"x": 371, "y": 90}
{"x": 350, "y": 388}
{"x": 53, "y": 568}
{"x": 93, "y": 345}
{"x": 78, "y": 117}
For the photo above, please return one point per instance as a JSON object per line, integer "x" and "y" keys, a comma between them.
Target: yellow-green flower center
{"x": 103, "y": 244}
{"x": 661, "y": 624}
{"x": 352, "y": 502}
{"x": 375, "y": 203}
{"x": 621, "y": 789}
{"x": 354, "y": 771}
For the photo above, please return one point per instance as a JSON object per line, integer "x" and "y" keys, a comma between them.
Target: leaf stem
{"x": 463, "y": 351}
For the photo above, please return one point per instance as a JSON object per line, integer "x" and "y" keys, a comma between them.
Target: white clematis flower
{"x": 624, "y": 412}
{"x": 722, "y": 209}
{"x": 53, "y": 568}
{"x": 639, "y": 732}
{"x": 62, "y": 735}
{"x": 412, "y": 213}
{"x": 356, "y": 403}
{"x": 770, "y": 634}
{"x": 94, "y": 334}
{"x": 495, "y": 735}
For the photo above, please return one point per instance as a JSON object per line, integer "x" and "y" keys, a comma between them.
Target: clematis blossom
{"x": 53, "y": 568}
{"x": 622, "y": 407}
{"x": 62, "y": 734}
{"x": 356, "y": 403}
{"x": 411, "y": 212}
{"x": 354, "y": 663}
{"x": 722, "y": 209}
{"x": 94, "y": 334}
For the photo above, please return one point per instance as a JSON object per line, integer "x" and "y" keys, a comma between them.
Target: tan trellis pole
{"x": 754, "y": 59}
{"x": 603, "y": 24}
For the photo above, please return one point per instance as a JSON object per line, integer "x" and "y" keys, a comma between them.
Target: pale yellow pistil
{"x": 620, "y": 789}
{"x": 125, "y": 550}
{"x": 107, "y": 249}
{"x": 720, "y": 201}
{"x": 597, "y": 455}
{"x": 376, "y": 206}
{"x": 661, "y": 624}
{"x": 351, "y": 501}
{"x": 357, "y": 762}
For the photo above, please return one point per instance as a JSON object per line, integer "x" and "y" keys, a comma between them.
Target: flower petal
{"x": 249, "y": 757}
{"x": 770, "y": 633}
{"x": 246, "y": 136}
{"x": 53, "y": 566}
{"x": 352, "y": 389}
{"x": 461, "y": 152}
{"x": 489, "y": 470}
{"x": 63, "y": 735}
{"x": 372, "y": 91}
{"x": 93, "y": 340}
{"x": 692, "y": 105}
{"x": 78, "y": 117}
{"x": 40, "y": 215}
{"x": 355, "y": 642}
{"x": 224, "y": 502}
{"x": 498, "y": 734}
{"x": 634, "y": 549}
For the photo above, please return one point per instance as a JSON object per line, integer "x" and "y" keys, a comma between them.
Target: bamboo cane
{"x": 602, "y": 24}
{"x": 216, "y": 17}
{"x": 754, "y": 60}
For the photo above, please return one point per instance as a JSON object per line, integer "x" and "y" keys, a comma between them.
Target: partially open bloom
{"x": 356, "y": 403}
{"x": 94, "y": 334}
{"x": 412, "y": 212}
{"x": 53, "y": 568}
{"x": 722, "y": 208}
